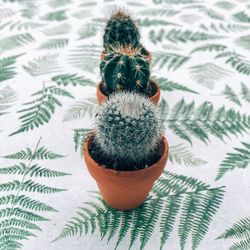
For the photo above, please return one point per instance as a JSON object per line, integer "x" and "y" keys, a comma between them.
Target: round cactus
{"x": 121, "y": 29}
{"x": 125, "y": 68}
{"x": 128, "y": 129}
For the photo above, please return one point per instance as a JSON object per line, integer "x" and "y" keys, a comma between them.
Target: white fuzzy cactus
{"x": 128, "y": 128}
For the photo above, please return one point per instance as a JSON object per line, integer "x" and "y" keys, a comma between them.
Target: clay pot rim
{"x": 150, "y": 97}
{"x": 125, "y": 174}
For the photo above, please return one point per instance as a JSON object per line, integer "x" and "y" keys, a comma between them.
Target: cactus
{"x": 125, "y": 68}
{"x": 128, "y": 130}
{"x": 121, "y": 29}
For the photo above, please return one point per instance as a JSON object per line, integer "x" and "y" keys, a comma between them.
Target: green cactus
{"x": 125, "y": 68}
{"x": 121, "y": 29}
{"x": 128, "y": 131}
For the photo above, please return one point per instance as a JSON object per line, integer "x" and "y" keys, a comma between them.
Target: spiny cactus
{"x": 121, "y": 29}
{"x": 125, "y": 68}
{"x": 128, "y": 130}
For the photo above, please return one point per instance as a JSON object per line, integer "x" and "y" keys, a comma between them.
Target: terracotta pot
{"x": 155, "y": 98}
{"x": 124, "y": 190}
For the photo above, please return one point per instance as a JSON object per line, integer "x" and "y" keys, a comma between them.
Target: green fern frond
{"x": 241, "y": 231}
{"x": 20, "y": 25}
{"x": 238, "y": 62}
{"x": 163, "y": 108}
{"x": 34, "y": 170}
{"x": 243, "y": 42}
{"x": 168, "y": 85}
{"x": 158, "y": 12}
{"x": 88, "y": 30}
{"x": 221, "y": 27}
{"x": 80, "y": 135}
{"x": 19, "y": 223}
{"x": 28, "y": 186}
{"x": 239, "y": 159}
{"x": 42, "y": 65}
{"x": 85, "y": 57}
{"x": 7, "y": 97}
{"x": 181, "y": 36}
{"x": 170, "y": 211}
{"x": 210, "y": 48}
{"x": 7, "y": 67}
{"x": 209, "y": 205}
{"x": 241, "y": 17}
{"x": 15, "y": 41}
{"x": 25, "y": 202}
{"x": 59, "y": 43}
{"x": 15, "y": 231}
{"x": 20, "y": 213}
{"x": 169, "y": 60}
{"x": 245, "y": 92}
{"x": 146, "y": 22}
{"x": 41, "y": 153}
{"x": 80, "y": 109}
{"x": 208, "y": 74}
{"x": 225, "y": 5}
{"x": 40, "y": 110}
{"x": 230, "y": 95}
{"x": 183, "y": 155}
{"x": 59, "y": 15}
{"x": 74, "y": 79}
{"x": 160, "y": 207}
{"x": 185, "y": 120}
{"x": 60, "y": 29}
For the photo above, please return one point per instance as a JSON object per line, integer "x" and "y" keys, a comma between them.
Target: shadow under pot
{"x": 153, "y": 95}
{"x": 125, "y": 190}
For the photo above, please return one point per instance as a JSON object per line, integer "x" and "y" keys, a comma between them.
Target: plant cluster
{"x": 128, "y": 126}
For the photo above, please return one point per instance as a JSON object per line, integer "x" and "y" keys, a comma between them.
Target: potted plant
{"x": 126, "y": 68}
{"x": 127, "y": 151}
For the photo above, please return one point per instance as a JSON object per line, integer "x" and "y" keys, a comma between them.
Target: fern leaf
{"x": 80, "y": 109}
{"x": 168, "y": 85}
{"x": 60, "y": 29}
{"x": 15, "y": 41}
{"x": 59, "y": 15}
{"x": 239, "y": 159}
{"x": 43, "y": 65}
{"x": 59, "y": 43}
{"x": 170, "y": 60}
{"x": 40, "y": 110}
{"x": 15, "y": 231}
{"x": 41, "y": 153}
{"x": 241, "y": 17}
{"x": 7, "y": 67}
{"x": 19, "y": 223}
{"x": 241, "y": 231}
{"x": 230, "y": 95}
{"x": 181, "y": 36}
{"x": 158, "y": 12}
{"x": 26, "y": 202}
{"x": 88, "y": 30}
{"x": 34, "y": 170}
{"x": 163, "y": 107}
{"x": 209, "y": 48}
{"x": 20, "y": 213}
{"x": 207, "y": 208}
{"x": 243, "y": 42}
{"x": 20, "y": 25}
{"x": 74, "y": 79}
{"x": 185, "y": 120}
{"x": 238, "y": 62}
{"x": 170, "y": 211}
{"x": 221, "y": 27}
{"x": 80, "y": 135}
{"x": 183, "y": 156}
{"x": 245, "y": 92}
{"x": 146, "y": 22}
{"x": 29, "y": 186}
{"x": 208, "y": 74}
{"x": 7, "y": 97}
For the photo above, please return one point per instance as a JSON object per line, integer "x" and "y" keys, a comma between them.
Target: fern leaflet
{"x": 230, "y": 95}
{"x": 245, "y": 92}
{"x": 59, "y": 43}
{"x": 7, "y": 97}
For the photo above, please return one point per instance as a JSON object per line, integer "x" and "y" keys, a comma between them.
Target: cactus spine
{"x": 125, "y": 68}
{"x": 128, "y": 128}
{"x": 121, "y": 29}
